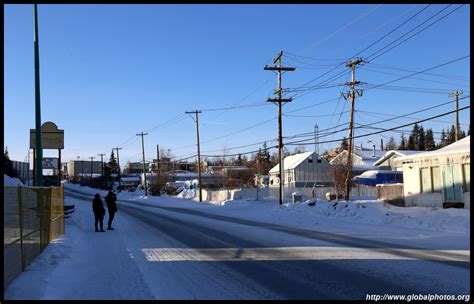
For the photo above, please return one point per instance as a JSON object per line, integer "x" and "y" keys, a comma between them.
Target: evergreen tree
{"x": 403, "y": 143}
{"x": 451, "y": 135}
{"x": 429, "y": 140}
{"x": 411, "y": 142}
{"x": 469, "y": 130}
{"x": 8, "y": 164}
{"x": 112, "y": 164}
{"x": 421, "y": 139}
{"x": 391, "y": 144}
{"x": 415, "y": 134}
{"x": 344, "y": 144}
{"x": 442, "y": 141}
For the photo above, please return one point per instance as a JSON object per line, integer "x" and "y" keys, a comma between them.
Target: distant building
{"x": 363, "y": 159}
{"x": 439, "y": 178}
{"x": 83, "y": 168}
{"x": 21, "y": 169}
{"x": 302, "y": 170}
{"x": 135, "y": 167}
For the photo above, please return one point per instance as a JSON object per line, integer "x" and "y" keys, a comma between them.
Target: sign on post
{"x": 51, "y": 136}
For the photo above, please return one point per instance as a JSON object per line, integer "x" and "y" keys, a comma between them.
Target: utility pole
{"x": 196, "y": 112}
{"x": 143, "y": 153}
{"x": 456, "y": 94}
{"x": 39, "y": 146}
{"x": 279, "y": 100}
{"x": 102, "y": 162}
{"x": 316, "y": 137}
{"x": 158, "y": 167}
{"x": 118, "y": 165}
{"x": 92, "y": 165}
{"x": 351, "y": 64}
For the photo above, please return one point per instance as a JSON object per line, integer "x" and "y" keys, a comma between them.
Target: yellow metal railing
{"x": 33, "y": 217}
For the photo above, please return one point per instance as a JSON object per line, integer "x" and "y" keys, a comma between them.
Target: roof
{"x": 292, "y": 161}
{"x": 365, "y": 154}
{"x": 390, "y": 153}
{"x": 461, "y": 146}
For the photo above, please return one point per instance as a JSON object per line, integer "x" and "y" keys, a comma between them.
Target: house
{"x": 386, "y": 161}
{"x": 439, "y": 178}
{"x": 130, "y": 182}
{"x": 363, "y": 159}
{"x": 302, "y": 170}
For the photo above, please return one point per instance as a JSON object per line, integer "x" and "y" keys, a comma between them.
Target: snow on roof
{"x": 11, "y": 181}
{"x": 389, "y": 153}
{"x": 372, "y": 174}
{"x": 367, "y": 154}
{"x": 292, "y": 161}
{"x": 461, "y": 146}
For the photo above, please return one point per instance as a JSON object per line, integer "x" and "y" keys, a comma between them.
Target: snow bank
{"x": 364, "y": 210}
{"x": 379, "y": 213}
{"x": 11, "y": 181}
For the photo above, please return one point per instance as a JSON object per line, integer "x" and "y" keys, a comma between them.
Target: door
{"x": 452, "y": 184}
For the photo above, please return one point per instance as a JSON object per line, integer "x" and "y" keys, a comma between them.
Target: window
{"x": 319, "y": 160}
{"x": 466, "y": 171}
{"x": 436, "y": 177}
{"x": 310, "y": 160}
{"x": 425, "y": 180}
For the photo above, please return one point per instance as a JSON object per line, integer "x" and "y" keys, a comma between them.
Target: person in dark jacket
{"x": 99, "y": 212}
{"x": 111, "y": 198}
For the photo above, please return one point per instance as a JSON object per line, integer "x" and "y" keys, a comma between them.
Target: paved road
{"x": 269, "y": 261}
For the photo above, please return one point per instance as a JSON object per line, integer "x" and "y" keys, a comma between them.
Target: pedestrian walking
{"x": 111, "y": 198}
{"x": 99, "y": 212}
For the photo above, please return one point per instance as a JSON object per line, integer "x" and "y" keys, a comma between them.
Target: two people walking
{"x": 99, "y": 210}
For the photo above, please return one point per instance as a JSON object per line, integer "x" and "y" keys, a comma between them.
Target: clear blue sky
{"x": 111, "y": 71}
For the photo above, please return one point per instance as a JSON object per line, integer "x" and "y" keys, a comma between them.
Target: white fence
{"x": 272, "y": 193}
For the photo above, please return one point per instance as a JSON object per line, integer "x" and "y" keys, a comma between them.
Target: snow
{"x": 461, "y": 146}
{"x": 127, "y": 268}
{"x": 372, "y": 174}
{"x": 11, "y": 181}
{"x": 292, "y": 161}
{"x": 390, "y": 153}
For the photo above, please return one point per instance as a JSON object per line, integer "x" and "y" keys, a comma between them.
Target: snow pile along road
{"x": 11, "y": 181}
{"x": 380, "y": 213}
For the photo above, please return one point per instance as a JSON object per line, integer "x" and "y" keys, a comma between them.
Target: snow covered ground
{"x": 10, "y": 181}
{"x": 153, "y": 253}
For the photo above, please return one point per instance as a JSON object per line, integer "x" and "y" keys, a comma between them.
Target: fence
{"x": 391, "y": 193}
{"x": 272, "y": 193}
{"x": 32, "y": 218}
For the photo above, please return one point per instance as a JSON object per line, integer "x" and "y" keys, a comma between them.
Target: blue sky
{"x": 111, "y": 71}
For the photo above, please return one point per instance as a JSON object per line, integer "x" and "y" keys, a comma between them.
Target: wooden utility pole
{"x": 102, "y": 162}
{"x": 279, "y": 100}
{"x": 456, "y": 95}
{"x": 118, "y": 165}
{"x": 92, "y": 165}
{"x": 351, "y": 64}
{"x": 143, "y": 153}
{"x": 158, "y": 168}
{"x": 196, "y": 112}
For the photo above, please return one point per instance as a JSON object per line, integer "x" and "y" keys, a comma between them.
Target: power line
{"x": 385, "y": 130}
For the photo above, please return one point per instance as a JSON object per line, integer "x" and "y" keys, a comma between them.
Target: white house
{"x": 386, "y": 161}
{"x": 363, "y": 159}
{"x": 302, "y": 170}
{"x": 439, "y": 178}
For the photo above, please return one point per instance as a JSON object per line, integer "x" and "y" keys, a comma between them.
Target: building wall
{"x": 467, "y": 200}
{"x": 78, "y": 167}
